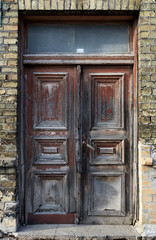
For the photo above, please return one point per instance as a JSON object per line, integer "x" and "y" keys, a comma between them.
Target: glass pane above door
{"x": 78, "y": 38}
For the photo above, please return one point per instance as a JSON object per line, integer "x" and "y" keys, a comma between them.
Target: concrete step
{"x": 77, "y": 232}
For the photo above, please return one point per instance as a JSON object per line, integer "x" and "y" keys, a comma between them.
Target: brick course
{"x": 9, "y": 84}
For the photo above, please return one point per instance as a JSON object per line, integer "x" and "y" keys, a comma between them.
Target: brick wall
{"x": 8, "y": 113}
{"x": 147, "y": 110}
{"x": 79, "y": 4}
{"x": 8, "y": 97}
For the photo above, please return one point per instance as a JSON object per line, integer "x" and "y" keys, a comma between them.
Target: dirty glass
{"x": 78, "y": 38}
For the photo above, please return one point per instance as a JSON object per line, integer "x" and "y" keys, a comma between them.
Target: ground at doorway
{"x": 76, "y": 232}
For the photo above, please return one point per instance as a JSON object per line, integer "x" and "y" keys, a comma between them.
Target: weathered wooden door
{"x": 50, "y": 161}
{"x": 79, "y": 156}
{"x": 106, "y": 135}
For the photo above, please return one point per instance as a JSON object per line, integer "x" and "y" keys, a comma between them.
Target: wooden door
{"x": 79, "y": 144}
{"x": 107, "y": 127}
{"x": 50, "y": 140}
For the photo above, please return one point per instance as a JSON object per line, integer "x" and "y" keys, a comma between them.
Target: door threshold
{"x": 76, "y": 232}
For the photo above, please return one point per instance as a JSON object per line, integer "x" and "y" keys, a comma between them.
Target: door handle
{"x": 88, "y": 145}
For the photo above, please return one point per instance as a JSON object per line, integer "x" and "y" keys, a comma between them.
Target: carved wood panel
{"x": 50, "y": 151}
{"x": 50, "y": 99}
{"x": 50, "y": 192}
{"x": 107, "y": 152}
{"x": 107, "y": 98}
{"x": 107, "y": 194}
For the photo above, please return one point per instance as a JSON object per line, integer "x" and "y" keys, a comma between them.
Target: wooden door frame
{"x": 77, "y": 59}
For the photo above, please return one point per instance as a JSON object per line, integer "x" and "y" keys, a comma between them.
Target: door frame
{"x": 76, "y": 59}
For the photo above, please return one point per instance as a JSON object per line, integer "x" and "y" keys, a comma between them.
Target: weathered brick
{"x": 47, "y": 4}
{"x": 98, "y": 5}
{"x": 152, "y": 221}
{"x": 145, "y": 120}
{"x": 147, "y": 56}
{"x": 149, "y": 190}
{"x": 34, "y": 4}
{"x": 111, "y": 4}
{"x": 147, "y": 28}
{"x": 13, "y": 20}
{"x": 147, "y": 198}
{"x": 11, "y": 120}
{"x": 146, "y": 184}
{"x": 2, "y": 105}
{"x": 153, "y": 6}
{"x": 21, "y": 4}
{"x": 144, "y": 20}
{"x": 2, "y": 91}
{"x": 145, "y": 105}
{"x": 10, "y": 41}
{"x": 153, "y": 35}
{"x": 13, "y": 35}
{"x": 9, "y": 113}
{"x": 153, "y": 119}
{"x": 12, "y": 63}
{"x": 10, "y": 55}
{"x": 146, "y": 91}
{"x": 124, "y": 4}
{"x": 153, "y": 20}
{"x": 12, "y": 92}
{"x": 153, "y": 214}
{"x": 10, "y": 98}
{"x": 73, "y": 5}
{"x": 144, "y": 34}
{"x": 67, "y": 4}
{"x": 149, "y": 206}
{"x": 10, "y": 27}
{"x": 2, "y": 76}
{"x": 54, "y": 5}
{"x": 41, "y": 4}
{"x": 12, "y": 48}
{"x": 9, "y": 69}
{"x": 145, "y": 6}
{"x": 12, "y": 77}
{"x": 9, "y": 127}
{"x": 147, "y": 14}
{"x": 8, "y": 184}
{"x": 9, "y": 84}
{"x": 153, "y": 48}
{"x": 131, "y": 5}
{"x": 105, "y": 4}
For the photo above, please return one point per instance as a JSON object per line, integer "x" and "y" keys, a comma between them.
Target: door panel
{"x": 50, "y": 100}
{"x": 50, "y": 179}
{"x": 107, "y": 99}
{"x": 106, "y": 107}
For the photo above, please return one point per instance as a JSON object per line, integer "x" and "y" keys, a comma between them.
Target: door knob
{"x": 88, "y": 145}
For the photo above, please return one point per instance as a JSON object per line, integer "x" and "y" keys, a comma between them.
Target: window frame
{"x": 78, "y": 58}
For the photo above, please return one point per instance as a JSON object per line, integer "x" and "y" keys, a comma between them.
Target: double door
{"x": 78, "y": 144}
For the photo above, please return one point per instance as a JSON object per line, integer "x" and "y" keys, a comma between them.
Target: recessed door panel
{"x": 50, "y": 151}
{"x": 50, "y": 99}
{"x": 107, "y": 195}
{"x": 107, "y": 99}
{"x": 107, "y": 152}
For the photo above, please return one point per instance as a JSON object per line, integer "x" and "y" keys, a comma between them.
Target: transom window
{"x": 78, "y": 38}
